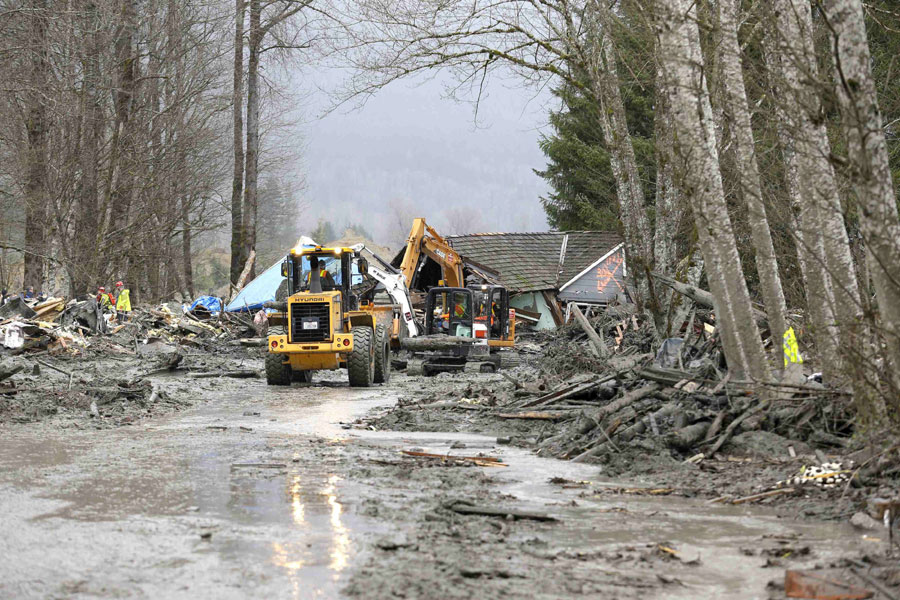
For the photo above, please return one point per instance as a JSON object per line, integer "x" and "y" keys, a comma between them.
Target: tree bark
{"x": 598, "y": 58}
{"x": 737, "y": 111}
{"x": 251, "y": 191}
{"x": 36, "y": 125}
{"x": 823, "y": 246}
{"x": 82, "y": 268}
{"x": 870, "y": 169}
{"x": 700, "y": 181}
{"x": 237, "y": 181}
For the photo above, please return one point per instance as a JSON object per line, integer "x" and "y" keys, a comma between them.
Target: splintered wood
{"x": 481, "y": 461}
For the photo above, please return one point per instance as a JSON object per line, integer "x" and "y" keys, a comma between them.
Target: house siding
{"x": 601, "y": 284}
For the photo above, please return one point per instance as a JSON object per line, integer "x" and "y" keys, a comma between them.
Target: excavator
{"x": 464, "y": 326}
{"x": 424, "y": 241}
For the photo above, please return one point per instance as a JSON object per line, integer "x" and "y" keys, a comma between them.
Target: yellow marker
{"x": 791, "y": 351}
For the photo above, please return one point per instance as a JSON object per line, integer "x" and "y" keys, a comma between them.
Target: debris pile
{"x": 669, "y": 411}
{"x": 71, "y": 358}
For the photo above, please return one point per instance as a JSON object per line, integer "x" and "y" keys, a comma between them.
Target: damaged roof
{"x": 529, "y": 262}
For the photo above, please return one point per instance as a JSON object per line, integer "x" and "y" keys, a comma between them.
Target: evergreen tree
{"x": 578, "y": 169}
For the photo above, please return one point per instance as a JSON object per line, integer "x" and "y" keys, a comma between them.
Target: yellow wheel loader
{"x": 330, "y": 320}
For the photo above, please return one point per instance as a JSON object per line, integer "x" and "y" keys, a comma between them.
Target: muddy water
{"x": 170, "y": 508}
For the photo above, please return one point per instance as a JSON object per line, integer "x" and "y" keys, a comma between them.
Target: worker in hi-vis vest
{"x": 123, "y": 302}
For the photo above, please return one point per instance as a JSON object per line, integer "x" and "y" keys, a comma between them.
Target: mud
{"x": 262, "y": 492}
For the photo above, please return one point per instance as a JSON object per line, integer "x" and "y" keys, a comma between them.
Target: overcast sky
{"x": 411, "y": 150}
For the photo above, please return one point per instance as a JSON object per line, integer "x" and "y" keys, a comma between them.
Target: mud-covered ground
{"x": 752, "y": 462}
{"x": 253, "y": 491}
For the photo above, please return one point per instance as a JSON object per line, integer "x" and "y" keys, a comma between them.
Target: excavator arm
{"x": 394, "y": 284}
{"x": 423, "y": 239}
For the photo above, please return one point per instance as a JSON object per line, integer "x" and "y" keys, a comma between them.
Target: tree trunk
{"x": 252, "y": 159}
{"x": 36, "y": 159}
{"x": 823, "y": 246}
{"x": 82, "y": 268}
{"x": 870, "y": 169}
{"x": 598, "y": 58}
{"x": 700, "y": 180}
{"x": 737, "y": 111}
{"x": 237, "y": 181}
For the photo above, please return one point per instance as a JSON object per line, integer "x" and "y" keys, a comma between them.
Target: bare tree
{"x": 700, "y": 181}
{"x": 869, "y": 167}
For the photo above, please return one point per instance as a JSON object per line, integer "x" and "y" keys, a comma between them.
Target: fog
{"x": 410, "y": 151}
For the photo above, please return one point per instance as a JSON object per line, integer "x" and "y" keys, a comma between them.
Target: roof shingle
{"x": 529, "y": 262}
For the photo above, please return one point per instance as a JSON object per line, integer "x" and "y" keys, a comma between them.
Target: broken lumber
{"x": 465, "y": 508}
{"x": 569, "y": 391}
{"x": 596, "y": 342}
{"x": 482, "y": 461}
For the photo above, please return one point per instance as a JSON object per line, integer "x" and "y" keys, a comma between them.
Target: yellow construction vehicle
{"x": 424, "y": 240}
{"x": 465, "y": 327}
{"x": 330, "y": 320}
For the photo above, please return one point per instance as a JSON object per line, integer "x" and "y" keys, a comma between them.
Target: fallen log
{"x": 569, "y": 391}
{"x": 726, "y": 435}
{"x": 7, "y": 372}
{"x": 539, "y": 416}
{"x": 687, "y": 437}
{"x": 240, "y": 374}
{"x": 698, "y": 295}
{"x": 452, "y": 405}
{"x": 629, "y": 398}
{"x": 435, "y": 342}
{"x": 464, "y": 508}
{"x": 626, "y": 435}
{"x": 596, "y": 342}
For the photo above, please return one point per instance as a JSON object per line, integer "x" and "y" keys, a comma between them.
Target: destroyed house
{"x": 543, "y": 270}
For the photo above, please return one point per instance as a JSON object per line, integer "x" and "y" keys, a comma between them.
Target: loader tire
{"x": 361, "y": 363}
{"x": 277, "y": 372}
{"x": 382, "y": 355}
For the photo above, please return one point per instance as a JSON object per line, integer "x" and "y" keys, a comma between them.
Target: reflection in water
{"x": 297, "y": 509}
{"x": 340, "y": 536}
{"x": 294, "y": 556}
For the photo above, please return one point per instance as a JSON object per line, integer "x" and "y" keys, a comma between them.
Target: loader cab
{"x": 338, "y": 270}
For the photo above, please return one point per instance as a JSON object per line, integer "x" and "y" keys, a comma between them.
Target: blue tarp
{"x": 210, "y": 303}
{"x": 258, "y": 292}
{"x": 263, "y": 288}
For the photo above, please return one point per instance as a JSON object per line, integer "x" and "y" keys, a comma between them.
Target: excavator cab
{"x": 328, "y": 322}
{"x": 463, "y": 328}
{"x": 492, "y": 316}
